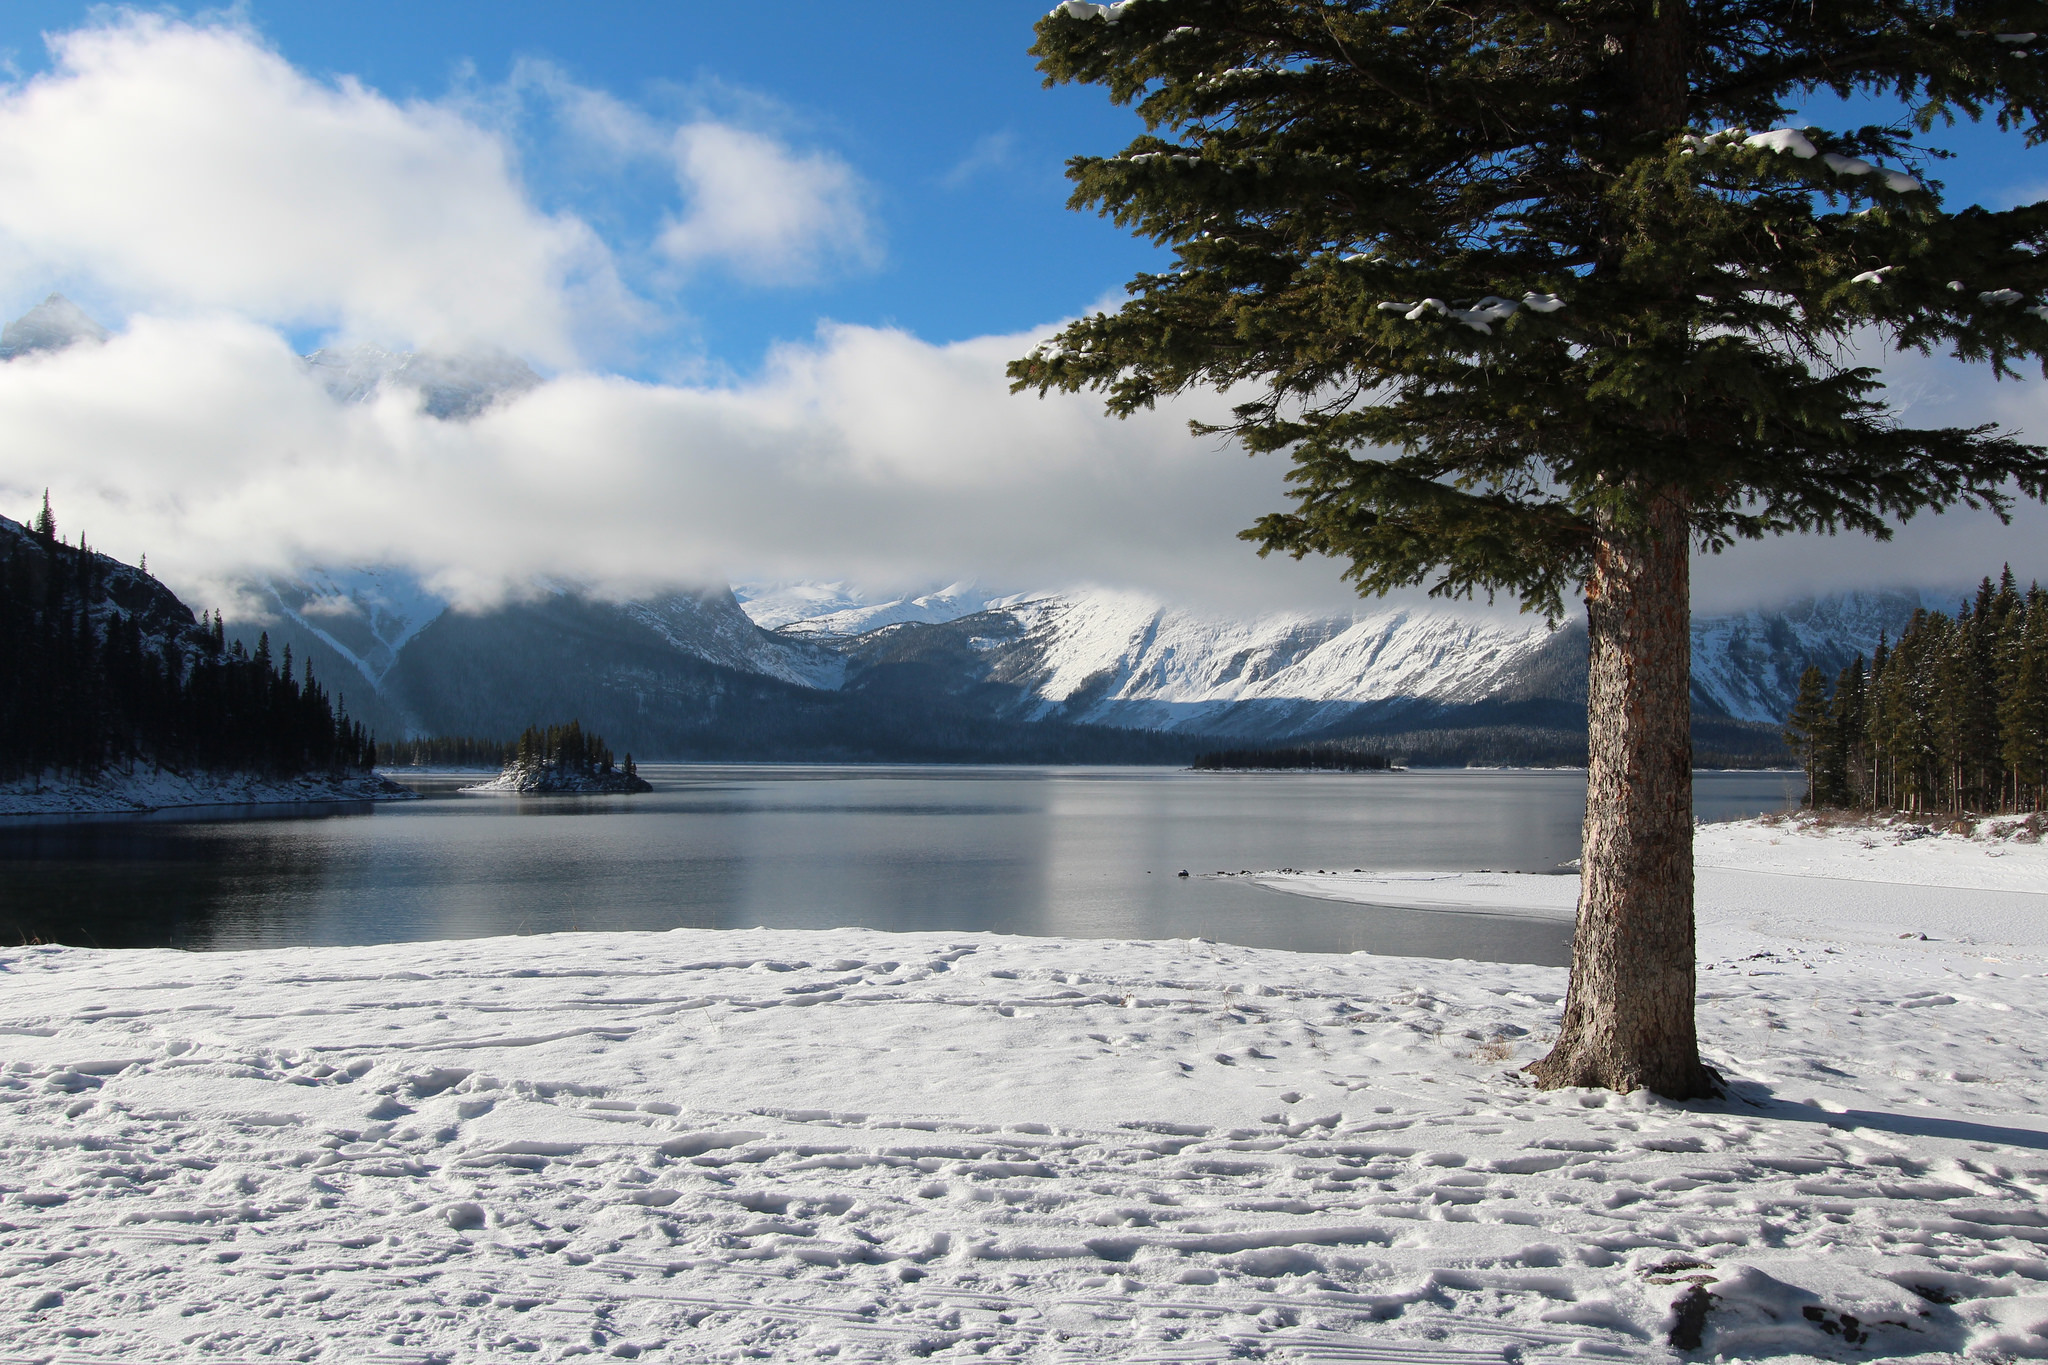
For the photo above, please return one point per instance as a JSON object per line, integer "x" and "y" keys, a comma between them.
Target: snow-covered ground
{"x": 853, "y": 1145}
{"x": 148, "y": 790}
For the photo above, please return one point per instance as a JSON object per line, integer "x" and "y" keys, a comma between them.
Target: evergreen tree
{"x": 1533, "y": 310}
{"x": 1843, "y": 757}
{"x": 1806, "y": 729}
{"x": 2023, "y": 710}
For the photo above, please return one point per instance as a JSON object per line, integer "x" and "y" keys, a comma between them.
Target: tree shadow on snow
{"x": 1904, "y": 1125}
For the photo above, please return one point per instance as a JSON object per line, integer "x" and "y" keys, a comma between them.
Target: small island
{"x": 564, "y": 760}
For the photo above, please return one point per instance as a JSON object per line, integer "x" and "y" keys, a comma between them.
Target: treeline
{"x": 566, "y": 749}
{"x": 85, "y": 688}
{"x": 1318, "y": 758}
{"x": 1952, "y": 718}
{"x": 446, "y": 751}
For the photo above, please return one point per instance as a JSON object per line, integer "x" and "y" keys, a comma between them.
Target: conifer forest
{"x": 1950, "y": 719}
{"x": 445, "y": 751}
{"x": 104, "y": 671}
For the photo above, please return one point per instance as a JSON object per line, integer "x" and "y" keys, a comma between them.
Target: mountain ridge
{"x": 1096, "y": 663}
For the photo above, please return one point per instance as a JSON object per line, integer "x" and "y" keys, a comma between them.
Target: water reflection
{"x": 1081, "y": 852}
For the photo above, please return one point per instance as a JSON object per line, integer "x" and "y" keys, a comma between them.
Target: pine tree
{"x": 2023, "y": 712}
{"x": 1841, "y": 768}
{"x": 1806, "y": 729}
{"x": 1529, "y": 315}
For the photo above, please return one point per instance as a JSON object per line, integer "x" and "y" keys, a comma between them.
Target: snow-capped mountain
{"x": 51, "y": 325}
{"x": 452, "y": 387}
{"x": 837, "y": 611}
{"x": 1747, "y": 664}
{"x": 710, "y": 625}
{"x": 1132, "y": 662}
{"x": 699, "y": 671}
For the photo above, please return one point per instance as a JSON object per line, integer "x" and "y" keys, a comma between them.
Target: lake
{"x": 1082, "y": 852}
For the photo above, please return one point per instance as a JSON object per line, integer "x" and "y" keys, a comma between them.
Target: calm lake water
{"x": 1085, "y": 852}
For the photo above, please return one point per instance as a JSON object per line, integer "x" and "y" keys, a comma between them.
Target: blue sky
{"x": 934, "y": 105}
{"x": 773, "y": 258}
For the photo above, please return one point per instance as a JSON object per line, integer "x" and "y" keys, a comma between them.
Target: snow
{"x": 1481, "y": 316}
{"x": 1126, "y": 659}
{"x": 1747, "y": 664}
{"x": 1783, "y": 140}
{"x": 853, "y": 615}
{"x": 2000, "y": 296}
{"x": 51, "y": 325}
{"x": 1872, "y": 276}
{"x": 1795, "y": 143}
{"x": 148, "y": 790}
{"x": 711, "y": 624}
{"x": 1085, "y": 9}
{"x": 859, "y": 1146}
{"x": 366, "y": 614}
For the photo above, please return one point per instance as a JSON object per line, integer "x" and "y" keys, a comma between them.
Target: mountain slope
{"x": 51, "y": 325}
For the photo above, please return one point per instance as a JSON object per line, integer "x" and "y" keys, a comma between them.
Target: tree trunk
{"x": 1628, "y": 1018}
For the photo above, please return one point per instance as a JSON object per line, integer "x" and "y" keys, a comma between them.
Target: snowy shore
{"x": 146, "y": 790}
{"x": 854, "y": 1145}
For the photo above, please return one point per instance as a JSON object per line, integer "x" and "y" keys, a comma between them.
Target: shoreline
{"x": 159, "y": 791}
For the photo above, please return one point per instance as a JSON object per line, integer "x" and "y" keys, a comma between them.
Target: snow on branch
{"x": 1797, "y": 144}
{"x": 1481, "y": 316}
{"x": 1792, "y": 140}
{"x": 1086, "y": 9}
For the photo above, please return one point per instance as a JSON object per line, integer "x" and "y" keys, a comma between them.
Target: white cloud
{"x": 772, "y": 214}
{"x": 990, "y": 152}
{"x": 867, "y": 454}
{"x": 189, "y": 166}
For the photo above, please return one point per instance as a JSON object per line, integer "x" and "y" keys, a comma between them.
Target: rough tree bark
{"x": 1628, "y": 1018}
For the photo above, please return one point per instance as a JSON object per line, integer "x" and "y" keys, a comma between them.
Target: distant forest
{"x": 446, "y": 751}
{"x": 1953, "y": 718}
{"x": 1316, "y": 758}
{"x": 101, "y": 668}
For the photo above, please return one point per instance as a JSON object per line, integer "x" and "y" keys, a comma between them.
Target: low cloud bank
{"x": 867, "y": 454}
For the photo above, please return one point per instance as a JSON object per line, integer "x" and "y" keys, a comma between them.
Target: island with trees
{"x": 565, "y": 760}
